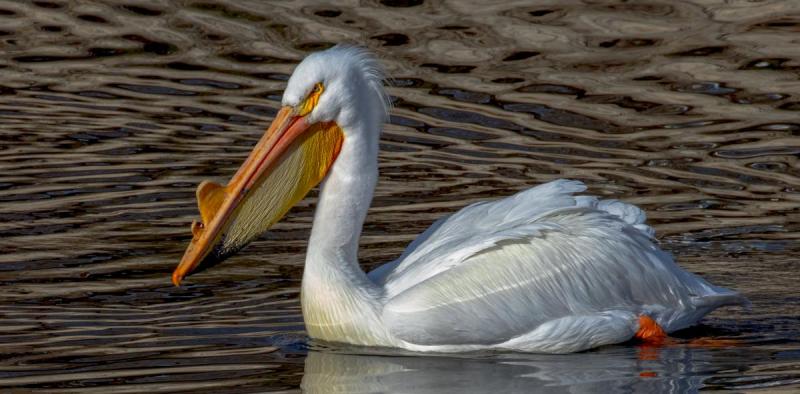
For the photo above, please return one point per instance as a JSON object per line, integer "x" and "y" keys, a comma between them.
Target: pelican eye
{"x": 311, "y": 100}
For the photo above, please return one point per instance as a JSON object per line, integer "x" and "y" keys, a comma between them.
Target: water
{"x": 112, "y": 113}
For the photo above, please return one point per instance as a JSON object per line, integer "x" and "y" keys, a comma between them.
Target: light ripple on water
{"x": 113, "y": 112}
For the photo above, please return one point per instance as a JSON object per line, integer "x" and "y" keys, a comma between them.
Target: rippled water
{"x": 112, "y": 112}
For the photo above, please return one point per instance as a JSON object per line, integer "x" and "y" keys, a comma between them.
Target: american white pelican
{"x": 543, "y": 270}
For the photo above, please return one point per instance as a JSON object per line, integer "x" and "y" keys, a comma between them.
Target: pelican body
{"x": 545, "y": 270}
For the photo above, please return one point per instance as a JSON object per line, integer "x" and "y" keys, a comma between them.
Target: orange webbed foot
{"x": 650, "y": 332}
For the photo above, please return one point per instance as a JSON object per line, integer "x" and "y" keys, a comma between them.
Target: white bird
{"x": 544, "y": 270}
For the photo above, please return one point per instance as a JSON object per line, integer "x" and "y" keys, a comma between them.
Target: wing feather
{"x": 497, "y": 270}
{"x": 453, "y": 238}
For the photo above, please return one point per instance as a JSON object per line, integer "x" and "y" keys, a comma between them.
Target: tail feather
{"x": 725, "y": 298}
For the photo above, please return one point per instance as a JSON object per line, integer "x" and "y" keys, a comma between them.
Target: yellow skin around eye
{"x": 311, "y": 101}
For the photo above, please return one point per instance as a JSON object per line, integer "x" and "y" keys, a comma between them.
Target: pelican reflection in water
{"x": 619, "y": 369}
{"x": 545, "y": 270}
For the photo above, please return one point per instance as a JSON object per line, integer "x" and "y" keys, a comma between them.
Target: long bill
{"x": 291, "y": 157}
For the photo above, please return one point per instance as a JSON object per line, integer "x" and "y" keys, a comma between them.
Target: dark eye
{"x": 317, "y": 89}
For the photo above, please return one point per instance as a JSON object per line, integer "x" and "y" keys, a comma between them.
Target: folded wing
{"x": 497, "y": 270}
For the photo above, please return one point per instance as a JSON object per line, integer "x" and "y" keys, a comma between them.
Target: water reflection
{"x": 612, "y": 370}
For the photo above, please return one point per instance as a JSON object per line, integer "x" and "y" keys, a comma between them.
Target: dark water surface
{"x": 112, "y": 112}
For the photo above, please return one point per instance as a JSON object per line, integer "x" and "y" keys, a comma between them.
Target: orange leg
{"x": 651, "y": 337}
{"x": 651, "y": 334}
{"x": 649, "y": 331}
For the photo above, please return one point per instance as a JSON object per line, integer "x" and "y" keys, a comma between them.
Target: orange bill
{"x": 292, "y": 157}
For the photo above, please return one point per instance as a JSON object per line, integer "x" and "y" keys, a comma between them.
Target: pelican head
{"x": 334, "y": 98}
{"x": 350, "y": 86}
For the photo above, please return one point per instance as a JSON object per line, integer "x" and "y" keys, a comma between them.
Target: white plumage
{"x": 539, "y": 271}
{"x": 544, "y": 270}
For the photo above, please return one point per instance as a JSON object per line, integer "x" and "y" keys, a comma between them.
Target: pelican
{"x": 545, "y": 270}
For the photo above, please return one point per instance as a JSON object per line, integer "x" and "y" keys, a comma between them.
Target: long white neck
{"x": 344, "y": 199}
{"x": 340, "y": 303}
